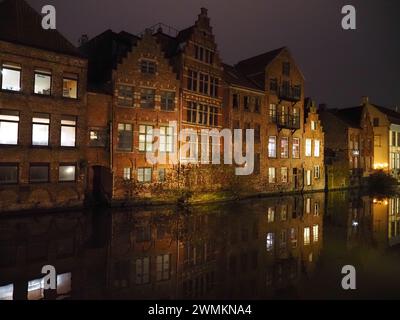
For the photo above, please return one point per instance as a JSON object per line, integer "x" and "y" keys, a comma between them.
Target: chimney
{"x": 83, "y": 39}
{"x": 365, "y": 100}
{"x": 204, "y": 12}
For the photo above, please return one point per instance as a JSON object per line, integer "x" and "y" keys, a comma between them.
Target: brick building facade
{"x": 42, "y": 114}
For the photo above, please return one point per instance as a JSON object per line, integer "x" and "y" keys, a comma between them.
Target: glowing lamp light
{"x": 380, "y": 166}
{"x": 355, "y": 223}
{"x": 70, "y": 170}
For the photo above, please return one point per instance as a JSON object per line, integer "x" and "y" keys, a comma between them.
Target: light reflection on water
{"x": 292, "y": 247}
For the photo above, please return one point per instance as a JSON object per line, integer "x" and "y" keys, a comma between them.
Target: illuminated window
{"x": 308, "y": 177}
{"x": 142, "y": 271}
{"x": 166, "y": 139}
{"x": 40, "y": 129}
{"x": 145, "y": 138}
{"x": 272, "y": 175}
{"x": 127, "y": 174}
{"x": 313, "y": 125}
{"x": 9, "y": 123}
{"x": 293, "y": 237}
{"x": 7, "y": 292}
{"x": 11, "y": 77}
{"x": 125, "y": 96}
{"x": 97, "y": 138}
{"x": 147, "y": 98}
{"x": 317, "y": 145}
{"x": 271, "y": 214}
{"x": 8, "y": 174}
{"x": 296, "y": 148}
{"x": 272, "y": 147}
{"x": 307, "y": 238}
{"x": 147, "y": 66}
{"x": 270, "y": 241}
{"x": 284, "y": 148}
{"x": 317, "y": 172}
{"x": 42, "y": 82}
{"x": 308, "y": 147}
{"x": 167, "y": 101}
{"x": 308, "y": 205}
{"x": 145, "y": 175}
{"x": 67, "y": 173}
{"x": 315, "y": 233}
{"x": 39, "y": 173}
{"x": 284, "y": 175}
{"x": 70, "y": 86}
{"x": 125, "y": 137}
{"x": 68, "y": 131}
{"x": 163, "y": 267}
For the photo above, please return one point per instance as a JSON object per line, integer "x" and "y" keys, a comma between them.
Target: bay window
{"x": 9, "y": 123}
{"x": 40, "y": 129}
{"x": 11, "y": 77}
{"x": 67, "y": 173}
{"x": 42, "y": 82}
{"x": 68, "y": 131}
{"x": 70, "y": 86}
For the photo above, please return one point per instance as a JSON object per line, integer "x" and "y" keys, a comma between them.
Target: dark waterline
{"x": 291, "y": 247}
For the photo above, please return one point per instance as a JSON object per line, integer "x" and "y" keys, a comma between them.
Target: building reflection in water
{"x": 249, "y": 250}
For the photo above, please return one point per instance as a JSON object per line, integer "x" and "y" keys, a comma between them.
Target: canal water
{"x": 291, "y": 247}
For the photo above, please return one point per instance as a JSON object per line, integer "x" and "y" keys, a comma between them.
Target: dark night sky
{"x": 339, "y": 66}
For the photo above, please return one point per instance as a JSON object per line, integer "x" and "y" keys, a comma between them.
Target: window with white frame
{"x": 42, "y": 82}
{"x": 146, "y": 138}
{"x": 11, "y": 77}
{"x": 317, "y": 145}
{"x": 308, "y": 147}
{"x": 127, "y": 174}
{"x": 307, "y": 236}
{"x": 167, "y": 139}
{"x": 40, "y": 129}
{"x": 145, "y": 175}
{"x": 284, "y": 175}
{"x": 68, "y": 131}
{"x": 284, "y": 147}
{"x": 272, "y": 175}
{"x": 9, "y": 124}
{"x": 272, "y": 147}
{"x": 315, "y": 233}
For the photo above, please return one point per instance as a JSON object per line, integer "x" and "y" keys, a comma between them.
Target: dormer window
{"x": 148, "y": 67}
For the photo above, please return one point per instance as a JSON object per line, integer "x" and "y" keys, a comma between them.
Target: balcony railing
{"x": 287, "y": 121}
{"x": 290, "y": 93}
